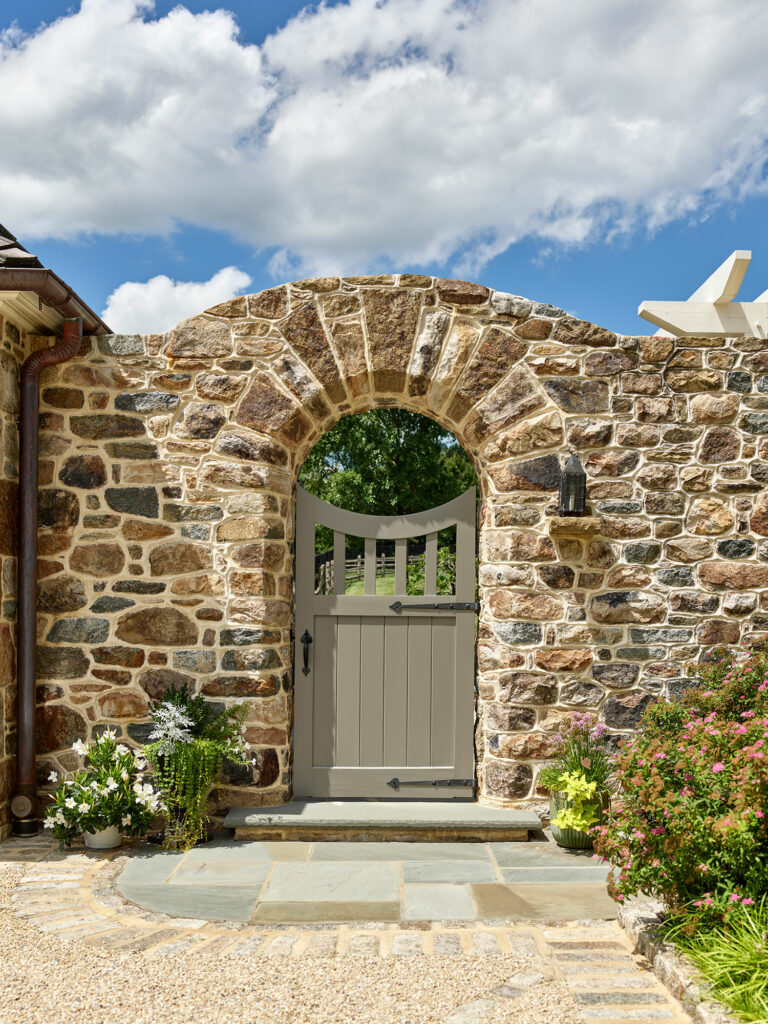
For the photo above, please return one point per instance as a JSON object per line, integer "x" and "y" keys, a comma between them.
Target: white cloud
{"x": 386, "y": 132}
{"x": 154, "y": 306}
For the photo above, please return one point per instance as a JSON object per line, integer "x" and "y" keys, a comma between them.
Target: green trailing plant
{"x": 582, "y": 810}
{"x": 191, "y": 741}
{"x": 733, "y": 958}
{"x": 690, "y": 827}
{"x": 109, "y": 790}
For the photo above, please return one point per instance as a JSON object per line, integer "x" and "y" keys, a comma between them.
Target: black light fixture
{"x": 573, "y": 488}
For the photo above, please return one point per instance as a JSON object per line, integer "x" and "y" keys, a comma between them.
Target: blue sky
{"x": 589, "y": 155}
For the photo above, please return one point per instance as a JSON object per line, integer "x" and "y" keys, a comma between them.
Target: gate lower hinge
{"x": 460, "y": 783}
{"x": 459, "y": 606}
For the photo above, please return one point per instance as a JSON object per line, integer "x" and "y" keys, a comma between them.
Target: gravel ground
{"x": 47, "y": 980}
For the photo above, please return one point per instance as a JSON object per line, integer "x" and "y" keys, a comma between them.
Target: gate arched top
{"x": 357, "y": 524}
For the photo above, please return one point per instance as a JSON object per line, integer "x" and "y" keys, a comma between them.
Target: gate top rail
{"x": 358, "y": 524}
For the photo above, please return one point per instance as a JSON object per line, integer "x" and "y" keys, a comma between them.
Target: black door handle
{"x": 306, "y": 639}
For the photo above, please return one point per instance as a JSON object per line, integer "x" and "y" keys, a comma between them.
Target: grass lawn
{"x": 384, "y": 585}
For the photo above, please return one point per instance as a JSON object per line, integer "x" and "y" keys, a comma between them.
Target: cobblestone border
{"x": 641, "y": 922}
{"x": 73, "y": 895}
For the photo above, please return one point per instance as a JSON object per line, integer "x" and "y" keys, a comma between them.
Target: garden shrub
{"x": 690, "y": 825}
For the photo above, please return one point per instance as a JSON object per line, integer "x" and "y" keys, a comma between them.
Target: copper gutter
{"x": 24, "y": 802}
{"x": 54, "y": 293}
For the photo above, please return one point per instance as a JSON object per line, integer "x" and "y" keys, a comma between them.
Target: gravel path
{"x": 62, "y": 965}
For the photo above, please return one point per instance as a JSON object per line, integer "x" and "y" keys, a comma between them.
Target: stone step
{"x": 395, "y": 820}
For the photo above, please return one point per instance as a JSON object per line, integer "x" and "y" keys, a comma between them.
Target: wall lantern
{"x": 573, "y": 488}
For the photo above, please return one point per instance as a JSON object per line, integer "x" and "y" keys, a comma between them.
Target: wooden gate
{"x": 384, "y": 682}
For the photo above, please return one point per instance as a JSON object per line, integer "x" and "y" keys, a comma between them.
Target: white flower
{"x": 141, "y": 764}
{"x": 247, "y": 746}
{"x": 242, "y": 728}
{"x": 69, "y": 782}
{"x": 111, "y": 784}
{"x": 53, "y": 777}
{"x": 49, "y": 823}
{"x": 80, "y": 748}
{"x": 69, "y": 802}
{"x": 108, "y": 734}
{"x": 124, "y": 776}
{"x": 84, "y": 808}
{"x": 94, "y": 785}
{"x": 126, "y": 820}
{"x": 60, "y": 820}
{"x": 120, "y": 749}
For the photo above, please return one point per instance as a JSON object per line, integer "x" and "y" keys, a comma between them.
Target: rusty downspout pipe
{"x": 24, "y": 802}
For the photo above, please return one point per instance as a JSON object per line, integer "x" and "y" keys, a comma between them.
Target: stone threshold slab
{"x": 395, "y": 820}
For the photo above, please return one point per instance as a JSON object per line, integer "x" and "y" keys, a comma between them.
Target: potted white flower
{"x": 104, "y": 800}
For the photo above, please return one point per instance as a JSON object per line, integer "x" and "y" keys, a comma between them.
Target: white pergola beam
{"x": 723, "y": 285}
{"x": 711, "y": 311}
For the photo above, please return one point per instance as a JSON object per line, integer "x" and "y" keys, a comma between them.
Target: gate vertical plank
{"x": 372, "y": 691}
{"x": 443, "y": 690}
{"x": 430, "y": 565}
{"x": 348, "y": 691}
{"x": 401, "y": 565}
{"x": 395, "y": 690}
{"x": 324, "y": 710}
{"x": 419, "y": 690}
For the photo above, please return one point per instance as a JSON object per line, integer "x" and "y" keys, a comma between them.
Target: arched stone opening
{"x": 168, "y": 471}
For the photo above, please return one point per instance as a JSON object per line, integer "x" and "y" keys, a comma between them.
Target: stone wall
{"x": 13, "y": 350}
{"x": 168, "y": 467}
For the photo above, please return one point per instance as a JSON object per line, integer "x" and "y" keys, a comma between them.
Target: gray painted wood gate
{"x": 388, "y": 693}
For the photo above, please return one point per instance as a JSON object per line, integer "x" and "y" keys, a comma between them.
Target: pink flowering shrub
{"x": 691, "y": 824}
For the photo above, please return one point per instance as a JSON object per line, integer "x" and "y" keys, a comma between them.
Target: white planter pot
{"x": 107, "y": 839}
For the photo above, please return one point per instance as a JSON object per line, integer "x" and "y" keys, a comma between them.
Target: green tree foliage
{"x": 386, "y": 462}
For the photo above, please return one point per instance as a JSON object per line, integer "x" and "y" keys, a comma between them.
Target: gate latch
{"x": 306, "y": 640}
{"x": 460, "y": 606}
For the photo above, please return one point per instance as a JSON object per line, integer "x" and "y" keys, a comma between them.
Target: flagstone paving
{"x": 76, "y": 895}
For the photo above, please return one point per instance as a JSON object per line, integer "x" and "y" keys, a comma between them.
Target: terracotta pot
{"x": 571, "y": 838}
{"x": 106, "y": 839}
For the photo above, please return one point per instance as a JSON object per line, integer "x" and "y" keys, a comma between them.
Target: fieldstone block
{"x": 250, "y": 660}
{"x": 736, "y": 547}
{"x": 156, "y": 681}
{"x": 79, "y": 631}
{"x": 57, "y": 508}
{"x": 462, "y": 293}
{"x": 733, "y": 576}
{"x": 201, "y": 420}
{"x": 527, "y": 688}
{"x": 644, "y": 553}
{"x": 87, "y": 471}
{"x": 507, "y": 780}
{"x": 627, "y": 606}
{"x": 507, "y": 718}
{"x": 157, "y": 627}
{"x": 61, "y": 663}
{"x": 251, "y": 685}
{"x": 103, "y": 425}
{"x": 579, "y": 395}
{"x": 697, "y": 604}
{"x": 675, "y": 577}
{"x": 195, "y": 661}
{"x": 138, "y": 501}
{"x": 617, "y": 675}
{"x": 147, "y": 402}
{"x": 715, "y": 632}
{"x": 517, "y": 632}
{"x": 720, "y": 445}
{"x": 122, "y": 704}
{"x": 625, "y": 711}
{"x": 640, "y": 635}
{"x": 62, "y": 593}
{"x": 179, "y": 557}
{"x": 581, "y": 694}
{"x": 97, "y": 559}
{"x": 57, "y": 727}
{"x": 709, "y": 516}
{"x": 563, "y": 659}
